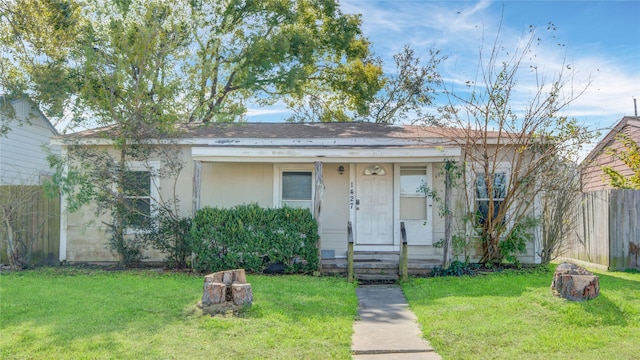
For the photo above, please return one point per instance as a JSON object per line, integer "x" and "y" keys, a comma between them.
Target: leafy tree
{"x": 629, "y": 154}
{"x": 408, "y": 90}
{"x": 509, "y": 148}
{"x": 265, "y": 51}
{"x": 230, "y": 52}
{"x": 136, "y": 68}
{"x": 401, "y": 96}
{"x": 119, "y": 74}
{"x": 36, "y": 39}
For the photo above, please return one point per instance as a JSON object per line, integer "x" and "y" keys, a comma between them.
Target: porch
{"x": 378, "y": 266}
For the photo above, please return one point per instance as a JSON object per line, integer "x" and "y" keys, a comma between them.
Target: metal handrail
{"x": 404, "y": 262}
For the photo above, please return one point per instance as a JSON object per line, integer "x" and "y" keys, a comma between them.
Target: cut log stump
{"x": 575, "y": 283}
{"x": 225, "y": 292}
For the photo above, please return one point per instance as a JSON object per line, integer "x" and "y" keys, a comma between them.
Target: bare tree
{"x": 558, "y": 203}
{"x": 21, "y": 222}
{"x": 509, "y": 148}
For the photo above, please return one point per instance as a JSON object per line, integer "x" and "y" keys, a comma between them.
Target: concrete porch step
{"x": 415, "y": 267}
{"x": 376, "y": 256}
{"x": 376, "y": 278}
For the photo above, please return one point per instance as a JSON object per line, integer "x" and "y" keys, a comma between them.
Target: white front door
{"x": 374, "y": 204}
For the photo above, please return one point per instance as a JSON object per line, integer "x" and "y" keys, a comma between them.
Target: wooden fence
{"x": 608, "y": 229}
{"x": 36, "y": 219}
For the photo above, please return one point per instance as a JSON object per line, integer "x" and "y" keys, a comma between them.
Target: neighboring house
{"x": 591, "y": 175}
{"x": 22, "y": 159}
{"x": 607, "y": 231}
{"x": 23, "y": 165}
{"x": 370, "y": 172}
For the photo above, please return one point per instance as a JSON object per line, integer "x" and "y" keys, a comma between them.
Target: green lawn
{"x": 71, "y": 313}
{"x": 514, "y": 316}
{"x": 67, "y": 313}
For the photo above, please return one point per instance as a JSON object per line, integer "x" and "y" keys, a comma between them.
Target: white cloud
{"x": 459, "y": 29}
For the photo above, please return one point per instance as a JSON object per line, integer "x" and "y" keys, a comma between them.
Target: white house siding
{"x": 430, "y": 252}
{"x": 229, "y": 184}
{"x": 22, "y": 160}
{"x": 335, "y": 209}
{"x": 84, "y": 238}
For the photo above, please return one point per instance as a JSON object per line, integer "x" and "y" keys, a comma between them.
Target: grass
{"x": 514, "y": 316}
{"x": 70, "y": 313}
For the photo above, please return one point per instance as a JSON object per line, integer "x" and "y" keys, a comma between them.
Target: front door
{"x": 374, "y": 204}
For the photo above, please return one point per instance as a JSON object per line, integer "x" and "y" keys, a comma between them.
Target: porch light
{"x": 340, "y": 169}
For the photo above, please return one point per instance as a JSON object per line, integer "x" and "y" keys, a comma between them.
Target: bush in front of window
{"x": 169, "y": 233}
{"x": 253, "y": 238}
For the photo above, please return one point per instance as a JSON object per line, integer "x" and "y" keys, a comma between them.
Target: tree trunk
{"x": 448, "y": 180}
{"x": 241, "y": 294}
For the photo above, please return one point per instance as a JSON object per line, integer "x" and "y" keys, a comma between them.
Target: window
{"x": 137, "y": 193}
{"x": 412, "y": 180}
{"x": 374, "y": 170}
{"x": 482, "y": 195}
{"x": 413, "y": 201}
{"x": 297, "y": 189}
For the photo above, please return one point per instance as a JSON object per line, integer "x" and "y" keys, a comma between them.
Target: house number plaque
{"x": 352, "y": 196}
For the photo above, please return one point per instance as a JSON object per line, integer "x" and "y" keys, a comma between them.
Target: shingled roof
{"x": 299, "y": 131}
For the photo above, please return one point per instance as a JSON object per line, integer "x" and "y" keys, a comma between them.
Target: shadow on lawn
{"x": 616, "y": 294}
{"x": 503, "y": 284}
{"x": 603, "y": 310}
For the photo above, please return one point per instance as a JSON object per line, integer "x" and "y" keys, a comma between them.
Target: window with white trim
{"x": 297, "y": 189}
{"x": 499, "y": 191}
{"x": 413, "y": 201}
{"x": 137, "y": 194}
{"x": 139, "y": 191}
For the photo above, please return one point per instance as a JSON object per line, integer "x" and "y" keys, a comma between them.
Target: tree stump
{"x": 226, "y": 291}
{"x": 241, "y": 294}
{"x": 575, "y": 283}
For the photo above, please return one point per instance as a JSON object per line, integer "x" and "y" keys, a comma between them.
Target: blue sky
{"x": 593, "y": 41}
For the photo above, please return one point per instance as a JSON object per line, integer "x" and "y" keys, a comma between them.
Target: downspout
{"x": 195, "y": 200}
{"x": 63, "y": 214}
{"x": 317, "y": 207}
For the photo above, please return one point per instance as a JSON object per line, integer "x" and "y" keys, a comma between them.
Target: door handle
{"x": 357, "y": 201}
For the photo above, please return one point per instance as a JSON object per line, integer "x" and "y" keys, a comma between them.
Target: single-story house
{"x": 369, "y": 174}
{"x": 591, "y": 175}
{"x": 608, "y": 220}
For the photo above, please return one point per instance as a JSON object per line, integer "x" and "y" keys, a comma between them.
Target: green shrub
{"x": 169, "y": 233}
{"x": 456, "y": 268}
{"x": 251, "y": 237}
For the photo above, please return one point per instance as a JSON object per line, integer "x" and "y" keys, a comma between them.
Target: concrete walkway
{"x": 386, "y": 328}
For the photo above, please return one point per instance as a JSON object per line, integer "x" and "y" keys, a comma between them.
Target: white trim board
{"x": 327, "y": 155}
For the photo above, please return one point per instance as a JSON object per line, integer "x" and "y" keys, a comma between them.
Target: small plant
{"x": 517, "y": 239}
{"x": 456, "y": 268}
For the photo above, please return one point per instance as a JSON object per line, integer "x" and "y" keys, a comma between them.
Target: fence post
{"x": 349, "y": 252}
{"x": 404, "y": 262}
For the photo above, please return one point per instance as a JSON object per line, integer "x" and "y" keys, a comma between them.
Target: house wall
{"x": 591, "y": 175}
{"x": 22, "y": 160}
{"x": 428, "y": 252}
{"x": 459, "y": 226}
{"x": 86, "y": 235}
{"x": 335, "y": 209}
{"x": 229, "y": 184}
{"x": 226, "y": 185}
